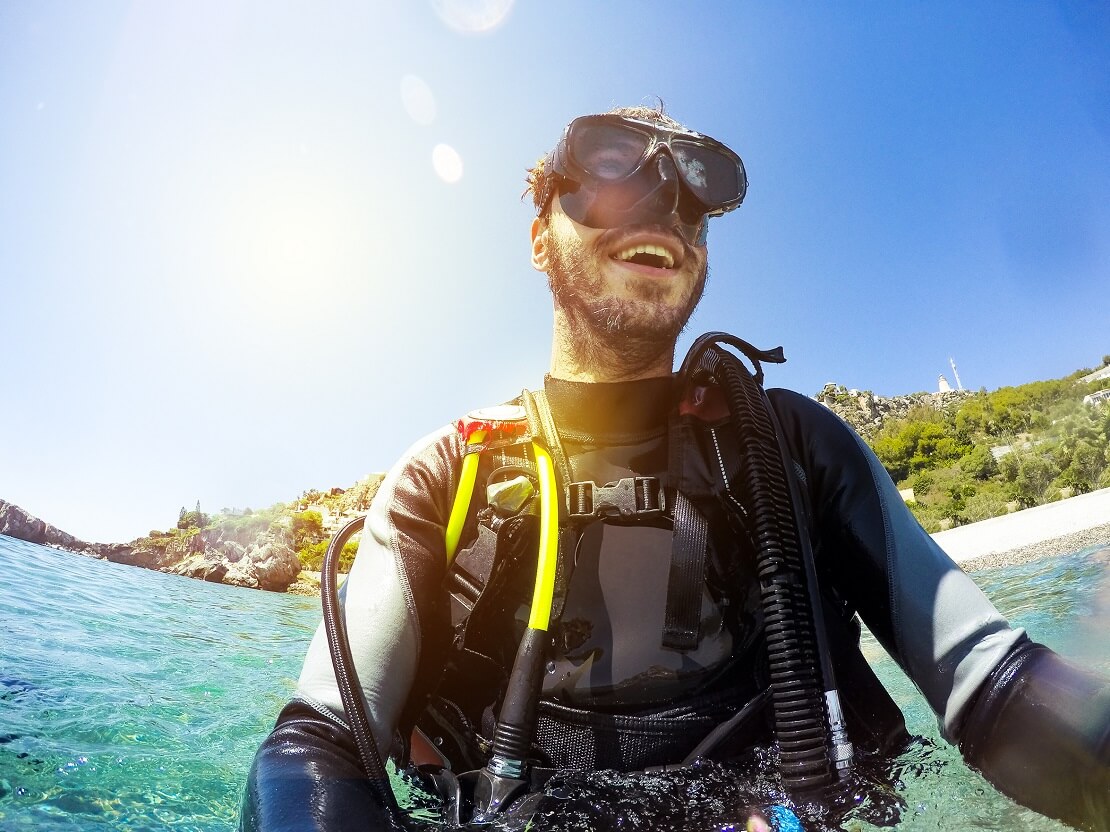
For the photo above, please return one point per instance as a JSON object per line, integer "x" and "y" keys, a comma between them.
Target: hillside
{"x": 265, "y": 549}
{"x": 963, "y": 456}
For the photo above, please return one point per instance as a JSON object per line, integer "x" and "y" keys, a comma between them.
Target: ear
{"x": 541, "y": 259}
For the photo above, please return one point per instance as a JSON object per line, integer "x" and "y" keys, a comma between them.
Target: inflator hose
{"x": 347, "y": 678}
{"x": 787, "y": 580}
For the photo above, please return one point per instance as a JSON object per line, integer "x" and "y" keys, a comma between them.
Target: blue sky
{"x": 231, "y": 271}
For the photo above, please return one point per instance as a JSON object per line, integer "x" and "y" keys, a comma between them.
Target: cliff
{"x": 866, "y": 412}
{"x": 15, "y": 522}
{"x": 240, "y": 555}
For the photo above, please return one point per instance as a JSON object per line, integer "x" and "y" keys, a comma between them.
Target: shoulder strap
{"x": 542, "y": 423}
{"x": 687, "y": 576}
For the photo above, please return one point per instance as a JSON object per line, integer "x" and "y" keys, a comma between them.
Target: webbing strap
{"x": 687, "y": 576}
{"x": 542, "y": 423}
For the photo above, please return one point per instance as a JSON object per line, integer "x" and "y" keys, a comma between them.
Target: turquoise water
{"x": 134, "y": 700}
{"x": 131, "y": 699}
{"x": 1063, "y": 602}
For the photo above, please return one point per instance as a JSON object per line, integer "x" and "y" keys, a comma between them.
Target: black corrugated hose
{"x": 800, "y": 668}
{"x": 347, "y": 678}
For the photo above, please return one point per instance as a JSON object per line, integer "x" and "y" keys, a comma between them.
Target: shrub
{"x": 979, "y": 463}
{"x": 312, "y": 555}
{"x": 306, "y": 529}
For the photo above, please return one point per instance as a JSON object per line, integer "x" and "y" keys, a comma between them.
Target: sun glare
{"x": 290, "y": 235}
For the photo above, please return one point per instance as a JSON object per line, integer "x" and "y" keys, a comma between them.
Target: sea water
{"x": 135, "y": 700}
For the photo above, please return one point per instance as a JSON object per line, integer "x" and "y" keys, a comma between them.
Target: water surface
{"x": 134, "y": 700}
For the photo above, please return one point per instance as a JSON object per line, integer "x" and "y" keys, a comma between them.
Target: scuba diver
{"x": 634, "y": 567}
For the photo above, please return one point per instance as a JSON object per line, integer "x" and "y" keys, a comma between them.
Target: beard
{"x": 638, "y": 329}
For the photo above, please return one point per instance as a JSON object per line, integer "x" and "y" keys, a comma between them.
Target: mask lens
{"x": 607, "y": 151}
{"x": 712, "y": 176}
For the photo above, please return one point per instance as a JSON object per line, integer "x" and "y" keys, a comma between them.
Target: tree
{"x": 307, "y": 529}
{"x": 1034, "y": 474}
{"x": 1082, "y": 472}
{"x": 979, "y": 463}
{"x": 192, "y": 519}
{"x": 919, "y": 442}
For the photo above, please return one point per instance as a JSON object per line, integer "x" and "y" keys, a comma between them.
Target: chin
{"x": 640, "y": 321}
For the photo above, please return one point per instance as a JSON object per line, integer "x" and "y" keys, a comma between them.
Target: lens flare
{"x": 418, "y": 100}
{"x": 447, "y": 163}
{"x": 472, "y": 16}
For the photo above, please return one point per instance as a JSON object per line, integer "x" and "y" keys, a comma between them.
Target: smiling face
{"x": 635, "y": 284}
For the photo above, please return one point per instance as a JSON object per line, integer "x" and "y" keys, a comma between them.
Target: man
{"x": 691, "y": 526}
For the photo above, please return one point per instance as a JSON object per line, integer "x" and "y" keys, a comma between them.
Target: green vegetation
{"x": 192, "y": 519}
{"x": 995, "y": 452}
{"x": 296, "y": 524}
{"x": 312, "y": 555}
{"x": 311, "y": 541}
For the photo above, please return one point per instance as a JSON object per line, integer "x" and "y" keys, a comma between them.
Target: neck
{"x": 579, "y": 354}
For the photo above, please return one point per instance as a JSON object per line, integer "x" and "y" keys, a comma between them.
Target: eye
{"x": 614, "y": 162}
{"x": 608, "y": 152}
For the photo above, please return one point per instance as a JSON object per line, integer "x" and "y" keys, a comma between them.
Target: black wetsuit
{"x": 1036, "y": 726}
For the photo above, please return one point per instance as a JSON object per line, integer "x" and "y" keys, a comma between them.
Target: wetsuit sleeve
{"x": 307, "y": 776}
{"x": 395, "y": 612}
{"x": 925, "y": 611}
{"x": 1036, "y": 726}
{"x": 1040, "y": 731}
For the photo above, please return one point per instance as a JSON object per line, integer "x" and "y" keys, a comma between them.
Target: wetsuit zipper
{"x": 724, "y": 475}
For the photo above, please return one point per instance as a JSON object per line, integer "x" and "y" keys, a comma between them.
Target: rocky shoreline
{"x": 1054, "y": 547}
{"x": 1043, "y": 531}
{"x": 265, "y": 562}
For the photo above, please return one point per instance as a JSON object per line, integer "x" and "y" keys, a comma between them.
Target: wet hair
{"x": 536, "y": 178}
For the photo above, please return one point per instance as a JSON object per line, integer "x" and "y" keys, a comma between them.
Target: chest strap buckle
{"x": 632, "y": 497}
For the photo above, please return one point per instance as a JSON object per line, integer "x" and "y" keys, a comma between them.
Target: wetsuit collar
{"x": 611, "y": 408}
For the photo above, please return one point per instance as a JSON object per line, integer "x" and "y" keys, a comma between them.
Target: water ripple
{"x": 135, "y": 700}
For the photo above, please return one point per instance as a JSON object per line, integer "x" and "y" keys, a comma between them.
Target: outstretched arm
{"x": 1036, "y": 726}
{"x": 1040, "y": 731}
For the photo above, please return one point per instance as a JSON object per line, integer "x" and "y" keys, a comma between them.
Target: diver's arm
{"x": 1036, "y": 726}
{"x": 925, "y": 611}
{"x": 394, "y": 610}
{"x": 307, "y": 776}
{"x": 1039, "y": 730}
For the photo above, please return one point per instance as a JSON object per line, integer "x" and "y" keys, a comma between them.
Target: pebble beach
{"x": 1034, "y": 533}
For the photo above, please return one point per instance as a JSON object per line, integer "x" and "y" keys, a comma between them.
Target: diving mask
{"x": 615, "y": 171}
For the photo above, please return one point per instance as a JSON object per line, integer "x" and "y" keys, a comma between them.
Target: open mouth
{"x": 646, "y": 254}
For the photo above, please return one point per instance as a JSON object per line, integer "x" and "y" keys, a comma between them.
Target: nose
{"x": 662, "y": 197}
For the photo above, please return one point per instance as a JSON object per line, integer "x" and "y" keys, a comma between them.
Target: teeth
{"x": 658, "y": 251}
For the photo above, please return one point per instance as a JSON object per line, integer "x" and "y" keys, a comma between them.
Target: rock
{"x": 233, "y": 551}
{"x": 275, "y": 565}
{"x": 268, "y": 563}
{"x": 208, "y": 566}
{"x": 866, "y": 412}
{"x": 17, "y": 523}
